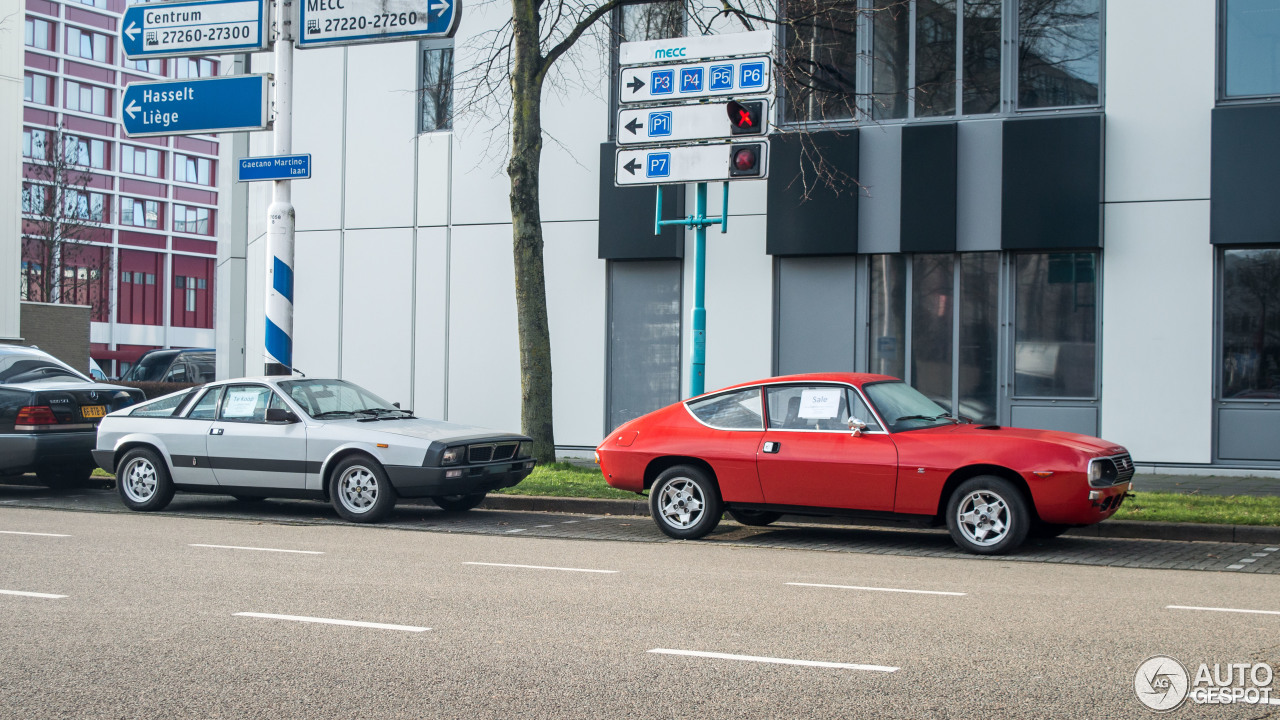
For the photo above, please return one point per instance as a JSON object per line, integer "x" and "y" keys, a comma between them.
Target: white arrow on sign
{"x": 682, "y": 123}
{"x": 675, "y": 83}
{"x": 668, "y": 165}
{"x": 132, "y": 31}
{"x": 442, "y": 6}
{"x": 132, "y": 108}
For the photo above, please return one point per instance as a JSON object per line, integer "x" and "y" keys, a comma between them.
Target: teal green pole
{"x": 699, "y": 359}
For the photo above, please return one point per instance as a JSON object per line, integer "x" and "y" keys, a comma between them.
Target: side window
{"x": 206, "y": 406}
{"x": 203, "y": 367}
{"x": 732, "y": 411}
{"x": 808, "y": 407}
{"x": 245, "y": 403}
{"x": 859, "y": 409}
{"x": 164, "y": 407}
{"x": 177, "y": 372}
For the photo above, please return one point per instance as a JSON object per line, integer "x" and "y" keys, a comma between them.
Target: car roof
{"x": 851, "y": 378}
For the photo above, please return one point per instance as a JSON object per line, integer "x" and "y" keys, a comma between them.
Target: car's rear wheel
{"x": 754, "y": 518}
{"x": 143, "y": 480}
{"x": 64, "y": 476}
{"x": 685, "y": 503}
{"x": 988, "y": 515}
{"x": 360, "y": 490}
{"x": 458, "y": 503}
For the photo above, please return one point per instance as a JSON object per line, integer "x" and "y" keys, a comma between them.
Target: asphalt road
{"x": 150, "y": 625}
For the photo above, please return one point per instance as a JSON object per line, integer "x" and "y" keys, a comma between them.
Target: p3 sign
{"x": 743, "y": 76}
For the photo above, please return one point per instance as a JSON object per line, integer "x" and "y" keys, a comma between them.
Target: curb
{"x": 1127, "y": 529}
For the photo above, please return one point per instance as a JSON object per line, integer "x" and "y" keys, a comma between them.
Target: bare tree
{"x": 62, "y": 216}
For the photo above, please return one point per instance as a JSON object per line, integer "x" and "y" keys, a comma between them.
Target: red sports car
{"x": 860, "y": 445}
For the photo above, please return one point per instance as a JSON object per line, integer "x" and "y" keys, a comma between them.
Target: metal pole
{"x": 279, "y": 279}
{"x": 699, "y": 359}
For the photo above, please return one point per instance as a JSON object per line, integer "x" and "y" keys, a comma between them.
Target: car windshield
{"x": 904, "y": 408}
{"x": 335, "y": 399}
{"x": 149, "y": 368}
{"x": 23, "y": 367}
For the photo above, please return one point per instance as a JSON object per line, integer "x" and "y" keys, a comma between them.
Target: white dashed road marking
{"x": 776, "y": 661}
{"x": 517, "y": 530}
{"x": 32, "y": 594}
{"x": 330, "y": 621}
{"x": 1216, "y": 609}
{"x": 877, "y": 589}
{"x": 237, "y": 547}
{"x": 541, "y": 567}
{"x": 16, "y": 532}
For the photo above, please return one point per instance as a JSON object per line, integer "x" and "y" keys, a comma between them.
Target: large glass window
{"x": 35, "y": 88}
{"x": 651, "y": 21}
{"x": 1251, "y": 48}
{"x": 644, "y": 337}
{"x": 87, "y": 98}
{"x": 140, "y": 161}
{"x": 194, "y": 67}
{"x": 1059, "y": 52}
{"x": 979, "y": 335}
{"x": 888, "y": 319}
{"x": 1251, "y": 324}
{"x": 86, "y": 205}
{"x": 139, "y": 213}
{"x": 821, "y": 60}
{"x": 935, "y": 83}
{"x": 86, "y": 152}
{"x": 932, "y": 305}
{"x": 981, "y": 71}
{"x": 190, "y": 169}
{"x": 1056, "y": 325}
{"x": 435, "y": 89}
{"x": 88, "y": 45}
{"x": 36, "y": 33}
{"x": 890, "y": 59}
{"x": 193, "y": 220}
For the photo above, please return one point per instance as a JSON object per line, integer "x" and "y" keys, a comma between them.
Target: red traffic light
{"x": 746, "y": 118}
{"x": 745, "y": 160}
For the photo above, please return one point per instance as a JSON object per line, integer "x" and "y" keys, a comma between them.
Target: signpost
{"x": 349, "y": 22}
{"x": 665, "y": 123}
{"x": 193, "y": 107}
{"x": 175, "y": 29}
{"x": 274, "y": 167}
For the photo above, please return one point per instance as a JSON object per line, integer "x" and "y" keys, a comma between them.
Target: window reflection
{"x": 981, "y": 72}
{"x": 888, "y": 314}
{"x": 644, "y": 337}
{"x": 1252, "y": 47}
{"x": 932, "y": 296}
{"x": 890, "y": 63}
{"x": 1251, "y": 324}
{"x": 820, "y": 62}
{"x": 1058, "y": 49}
{"x": 979, "y": 334}
{"x": 1056, "y": 325}
{"x": 935, "y": 57}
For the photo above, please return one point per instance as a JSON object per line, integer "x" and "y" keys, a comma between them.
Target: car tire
{"x": 754, "y": 518}
{"x": 988, "y": 515}
{"x": 685, "y": 503}
{"x": 360, "y": 490}
{"x": 1044, "y": 530}
{"x": 61, "y": 477}
{"x": 458, "y": 503}
{"x": 143, "y": 480}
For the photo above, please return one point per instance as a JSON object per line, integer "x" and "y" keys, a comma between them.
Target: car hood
{"x": 60, "y": 384}
{"x": 1082, "y": 443}
{"x": 425, "y": 429}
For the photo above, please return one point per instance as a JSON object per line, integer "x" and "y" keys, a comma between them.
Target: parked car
{"x": 49, "y": 413}
{"x": 849, "y": 444}
{"x": 188, "y": 365}
{"x": 301, "y": 437}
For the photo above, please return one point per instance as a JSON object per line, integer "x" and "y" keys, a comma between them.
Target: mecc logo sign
{"x": 667, "y": 53}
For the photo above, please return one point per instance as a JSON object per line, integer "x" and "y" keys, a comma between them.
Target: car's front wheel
{"x": 754, "y": 518}
{"x": 143, "y": 480}
{"x": 458, "y": 503}
{"x": 360, "y": 490}
{"x": 685, "y": 503}
{"x": 988, "y": 515}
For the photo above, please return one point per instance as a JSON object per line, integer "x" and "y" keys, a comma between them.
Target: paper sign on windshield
{"x": 820, "y": 403}
{"x": 240, "y": 404}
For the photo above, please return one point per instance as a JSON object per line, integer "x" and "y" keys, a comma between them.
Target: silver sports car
{"x": 299, "y": 437}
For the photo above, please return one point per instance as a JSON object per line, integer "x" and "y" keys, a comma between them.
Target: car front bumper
{"x": 1084, "y": 505}
{"x": 433, "y": 481}
{"x": 20, "y": 452}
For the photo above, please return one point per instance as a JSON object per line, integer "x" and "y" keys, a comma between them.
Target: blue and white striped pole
{"x": 279, "y": 279}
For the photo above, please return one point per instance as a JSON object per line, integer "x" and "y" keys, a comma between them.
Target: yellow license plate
{"x": 92, "y": 411}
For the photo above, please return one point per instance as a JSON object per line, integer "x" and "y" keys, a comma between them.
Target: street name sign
{"x": 175, "y": 29}
{"x": 693, "y": 81}
{"x": 274, "y": 167}
{"x": 692, "y": 49}
{"x": 681, "y": 164}
{"x": 352, "y": 22}
{"x": 679, "y": 123}
{"x": 194, "y": 107}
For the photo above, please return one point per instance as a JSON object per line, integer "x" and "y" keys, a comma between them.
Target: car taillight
{"x": 36, "y": 415}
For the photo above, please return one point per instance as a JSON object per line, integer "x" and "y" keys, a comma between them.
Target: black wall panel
{"x": 1244, "y": 206}
{"x": 626, "y": 218}
{"x": 1051, "y": 190}
{"x": 928, "y": 188}
{"x": 826, "y": 222}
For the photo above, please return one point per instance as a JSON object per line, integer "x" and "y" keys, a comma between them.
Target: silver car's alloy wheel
{"x": 681, "y": 503}
{"x": 983, "y": 518}
{"x": 358, "y": 489}
{"x": 138, "y": 480}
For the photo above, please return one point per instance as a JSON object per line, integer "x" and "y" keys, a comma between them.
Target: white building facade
{"x": 1070, "y": 230}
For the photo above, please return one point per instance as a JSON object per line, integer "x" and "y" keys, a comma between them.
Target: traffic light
{"x": 746, "y": 118}
{"x": 744, "y": 160}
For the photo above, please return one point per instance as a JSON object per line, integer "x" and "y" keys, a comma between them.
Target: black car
{"x": 49, "y": 415}
{"x": 188, "y": 365}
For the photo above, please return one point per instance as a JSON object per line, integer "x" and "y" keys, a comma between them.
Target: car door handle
{"x": 772, "y": 447}
{"x": 215, "y": 431}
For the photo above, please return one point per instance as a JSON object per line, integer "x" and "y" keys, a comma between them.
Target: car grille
{"x": 491, "y": 452}
{"x": 1115, "y": 470}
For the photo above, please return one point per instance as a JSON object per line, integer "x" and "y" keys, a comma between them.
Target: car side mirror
{"x": 857, "y": 426}
{"x": 280, "y": 415}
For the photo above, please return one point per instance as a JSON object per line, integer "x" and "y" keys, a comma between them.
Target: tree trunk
{"x": 526, "y": 220}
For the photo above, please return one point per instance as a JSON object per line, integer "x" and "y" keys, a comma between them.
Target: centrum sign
{"x": 352, "y": 22}
{"x": 177, "y": 29}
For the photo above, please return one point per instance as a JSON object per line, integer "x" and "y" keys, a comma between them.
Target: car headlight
{"x": 451, "y": 456}
{"x": 1095, "y": 471}
{"x": 525, "y": 450}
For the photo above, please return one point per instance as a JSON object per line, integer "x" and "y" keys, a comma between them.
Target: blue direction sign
{"x": 352, "y": 22}
{"x": 193, "y": 107}
{"x": 174, "y": 29}
{"x": 274, "y": 167}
